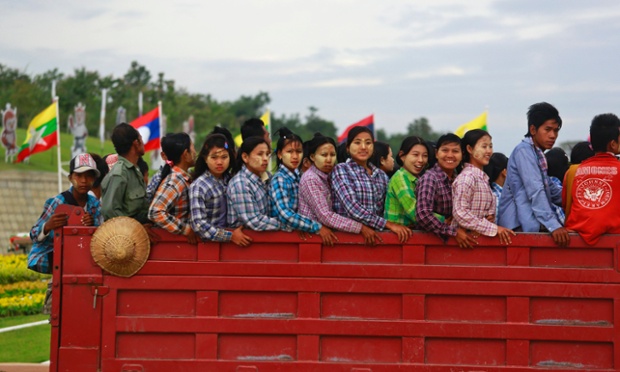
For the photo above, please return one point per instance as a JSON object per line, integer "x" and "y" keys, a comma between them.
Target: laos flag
{"x": 149, "y": 127}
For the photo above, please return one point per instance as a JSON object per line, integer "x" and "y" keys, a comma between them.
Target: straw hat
{"x": 120, "y": 246}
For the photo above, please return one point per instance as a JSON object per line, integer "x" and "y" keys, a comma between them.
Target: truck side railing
{"x": 286, "y": 304}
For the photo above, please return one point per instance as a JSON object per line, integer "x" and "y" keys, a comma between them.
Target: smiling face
{"x": 449, "y": 156}
{"x": 257, "y": 160}
{"x": 415, "y": 160}
{"x": 361, "y": 148}
{"x": 324, "y": 157}
{"x": 480, "y": 154}
{"x": 544, "y": 137}
{"x": 217, "y": 161}
{"x": 291, "y": 155}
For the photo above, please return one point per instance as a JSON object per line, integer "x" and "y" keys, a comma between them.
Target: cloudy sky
{"x": 442, "y": 59}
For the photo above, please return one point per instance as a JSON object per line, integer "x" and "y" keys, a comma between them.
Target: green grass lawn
{"x": 28, "y": 345}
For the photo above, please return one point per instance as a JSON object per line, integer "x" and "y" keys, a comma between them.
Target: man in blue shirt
{"x": 528, "y": 198}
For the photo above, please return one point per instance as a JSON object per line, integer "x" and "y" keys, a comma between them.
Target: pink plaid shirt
{"x": 315, "y": 202}
{"x": 473, "y": 201}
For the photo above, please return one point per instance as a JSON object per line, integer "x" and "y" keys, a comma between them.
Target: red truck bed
{"x": 284, "y": 304}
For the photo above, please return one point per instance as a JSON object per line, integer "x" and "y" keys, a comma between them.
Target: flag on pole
{"x": 478, "y": 123}
{"x": 149, "y": 128}
{"x": 266, "y": 119}
{"x": 368, "y": 122}
{"x": 41, "y": 134}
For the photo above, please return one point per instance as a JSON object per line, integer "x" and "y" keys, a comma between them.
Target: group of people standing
{"x": 216, "y": 194}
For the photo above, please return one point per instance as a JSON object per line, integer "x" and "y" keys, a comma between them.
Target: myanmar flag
{"x": 41, "y": 134}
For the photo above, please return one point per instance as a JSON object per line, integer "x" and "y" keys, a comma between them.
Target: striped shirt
{"x": 359, "y": 195}
{"x": 473, "y": 201}
{"x": 207, "y": 198}
{"x": 284, "y": 192}
{"x": 170, "y": 206}
{"x": 435, "y": 196}
{"x": 497, "y": 192}
{"x": 315, "y": 202}
{"x": 248, "y": 202}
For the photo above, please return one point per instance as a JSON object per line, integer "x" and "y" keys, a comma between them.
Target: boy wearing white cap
{"x": 82, "y": 175}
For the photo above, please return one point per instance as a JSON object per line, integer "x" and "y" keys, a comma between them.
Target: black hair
{"x": 497, "y": 164}
{"x": 557, "y": 163}
{"x": 317, "y": 141}
{"x": 432, "y": 157}
{"x": 102, "y": 167}
{"x": 356, "y": 131}
{"x": 174, "y": 146}
{"x": 253, "y": 127}
{"x": 539, "y": 113}
{"x": 470, "y": 138}
{"x": 122, "y": 137}
{"x": 247, "y": 147}
{"x": 407, "y": 145}
{"x": 143, "y": 166}
{"x": 229, "y": 138}
{"x": 341, "y": 152}
{"x": 580, "y": 152}
{"x": 381, "y": 151}
{"x": 448, "y": 138}
{"x": 214, "y": 140}
{"x": 306, "y": 154}
{"x": 286, "y": 137}
{"x": 604, "y": 128}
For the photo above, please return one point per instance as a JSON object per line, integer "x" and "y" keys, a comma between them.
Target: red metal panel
{"x": 284, "y": 304}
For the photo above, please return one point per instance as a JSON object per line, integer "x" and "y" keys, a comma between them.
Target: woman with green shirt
{"x": 401, "y": 201}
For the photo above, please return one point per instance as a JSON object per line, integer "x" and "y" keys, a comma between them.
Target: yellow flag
{"x": 478, "y": 123}
{"x": 266, "y": 119}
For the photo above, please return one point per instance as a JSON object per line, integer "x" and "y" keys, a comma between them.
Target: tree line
{"x": 31, "y": 93}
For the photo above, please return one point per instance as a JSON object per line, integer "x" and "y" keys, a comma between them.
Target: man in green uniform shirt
{"x": 123, "y": 189}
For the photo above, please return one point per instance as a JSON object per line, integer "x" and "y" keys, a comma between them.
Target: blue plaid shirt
{"x": 497, "y": 191}
{"x": 558, "y": 209}
{"x": 358, "y": 195}
{"x": 284, "y": 193}
{"x": 207, "y": 199}
{"x": 151, "y": 188}
{"x": 248, "y": 202}
{"x": 38, "y": 256}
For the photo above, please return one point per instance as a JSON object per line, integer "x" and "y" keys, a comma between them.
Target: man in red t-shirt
{"x": 596, "y": 189}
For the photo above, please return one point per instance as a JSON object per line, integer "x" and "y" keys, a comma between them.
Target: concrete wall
{"x": 22, "y": 195}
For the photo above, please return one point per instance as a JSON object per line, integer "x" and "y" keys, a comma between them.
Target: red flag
{"x": 368, "y": 122}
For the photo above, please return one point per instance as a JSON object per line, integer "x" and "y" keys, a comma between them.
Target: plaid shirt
{"x": 358, "y": 195}
{"x": 43, "y": 245}
{"x": 284, "y": 193}
{"x": 170, "y": 206}
{"x": 400, "y": 202}
{"x": 497, "y": 192}
{"x": 207, "y": 198}
{"x": 558, "y": 209}
{"x": 315, "y": 202}
{"x": 435, "y": 196}
{"x": 248, "y": 202}
{"x": 151, "y": 188}
{"x": 473, "y": 201}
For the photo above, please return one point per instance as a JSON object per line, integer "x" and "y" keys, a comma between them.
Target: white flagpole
{"x": 161, "y": 119}
{"x": 54, "y": 90}
{"x": 140, "y": 104}
{"x": 58, "y": 145}
{"x": 102, "y": 117}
